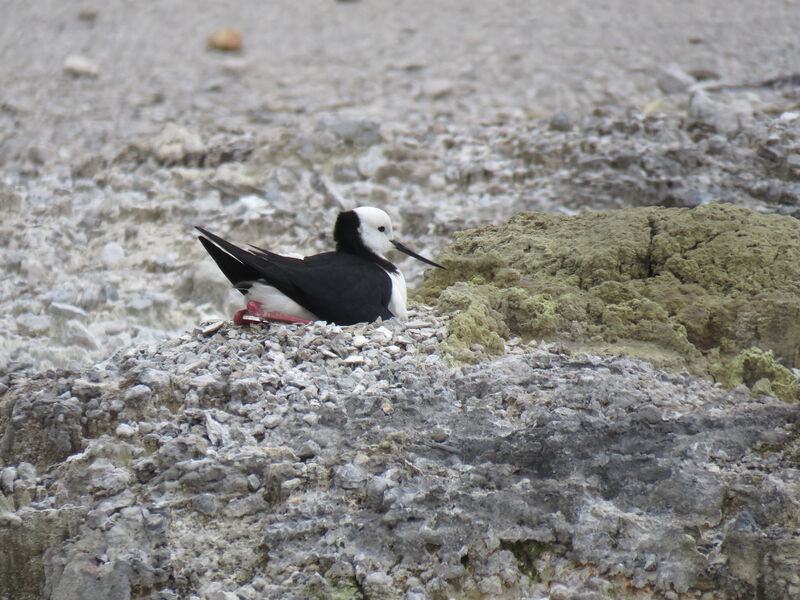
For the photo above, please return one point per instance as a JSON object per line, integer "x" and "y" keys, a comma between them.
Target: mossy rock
{"x": 683, "y": 288}
{"x": 758, "y": 370}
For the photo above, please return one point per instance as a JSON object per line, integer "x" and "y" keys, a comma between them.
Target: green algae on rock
{"x": 758, "y": 370}
{"x": 683, "y": 288}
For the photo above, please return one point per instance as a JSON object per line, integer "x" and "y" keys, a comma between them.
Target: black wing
{"x": 344, "y": 288}
{"x": 338, "y": 287}
{"x": 242, "y": 266}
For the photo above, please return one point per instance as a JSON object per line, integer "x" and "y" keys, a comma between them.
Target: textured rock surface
{"x": 272, "y": 464}
{"x": 685, "y": 288}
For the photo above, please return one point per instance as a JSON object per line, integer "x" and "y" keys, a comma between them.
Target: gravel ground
{"x": 359, "y": 464}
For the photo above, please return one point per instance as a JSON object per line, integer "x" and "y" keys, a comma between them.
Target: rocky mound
{"x": 320, "y": 461}
{"x": 693, "y": 289}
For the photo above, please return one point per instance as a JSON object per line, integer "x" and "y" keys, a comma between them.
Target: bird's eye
{"x": 382, "y": 229}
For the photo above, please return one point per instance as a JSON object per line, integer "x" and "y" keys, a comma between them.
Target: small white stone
{"x": 75, "y": 333}
{"x": 175, "y": 143}
{"x": 30, "y": 324}
{"x": 124, "y": 430}
{"x": 359, "y": 341}
{"x": 311, "y": 419}
{"x": 112, "y": 254}
{"x": 26, "y": 471}
{"x": 10, "y": 519}
{"x": 213, "y": 328}
{"x": 672, "y": 79}
{"x": 437, "y": 181}
{"x": 291, "y": 484}
{"x": 80, "y": 66}
{"x": 271, "y": 421}
{"x": 377, "y": 582}
{"x": 370, "y": 162}
{"x": 7, "y": 477}
{"x": 437, "y": 88}
{"x": 382, "y": 335}
{"x": 68, "y": 311}
{"x": 251, "y": 205}
{"x": 354, "y": 359}
{"x": 33, "y": 270}
{"x": 439, "y": 434}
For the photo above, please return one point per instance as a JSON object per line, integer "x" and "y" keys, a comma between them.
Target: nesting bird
{"x": 354, "y": 284}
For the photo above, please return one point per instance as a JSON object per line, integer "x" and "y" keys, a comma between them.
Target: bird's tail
{"x": 231, "y": 260}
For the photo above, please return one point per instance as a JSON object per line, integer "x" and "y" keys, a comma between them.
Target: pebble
{"x": 112, "y": 255}
{"x": 10, "y": 520}
{"x": 206, "y": 504}
{"x": 355, "y": 132}
{"x": 177, "y": 145}
{"x": 227, "y": 39}
{"x": 80, "y": 66}
{"x": 75, "y": 333}
{"x": 248, "y": 505}
{"x": 382, "y": 335}
{"x": 370, "y": 162}
{"x": 309, "y": 449}
{"x": 672, "y": 79}
{"x": 291, "y": 484}
{"x": 439, "y": 434}
{"x": 35, "y": 325}
{"x": 271, "y": 421}
{"x": 7, "y": 477}
{"x": 33, "y": 269}
{"x": 311, "y": 419}
{"x": 67, "y": 311}
{"x": 560, "y": 122}
{"x": 135, "y": 396}
{"x": 724, "y": 117}
{"x": 213, "y": 328}
{"x": 437, "y": 88}
{"x": 124, "y": 430}
{"x": 377, "y": 583}
{"x": 88, "y": 13}
{"x": 351, "y": 476}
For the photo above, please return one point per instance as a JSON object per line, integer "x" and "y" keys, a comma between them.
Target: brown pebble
{"x": 227, "y": 39}
{"x": 87, "y": 13}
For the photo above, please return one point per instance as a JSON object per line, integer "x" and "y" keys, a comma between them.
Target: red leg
{"x": 238, "y": 318}
{"x": 255, "y": 308}
{"x": 274, "y": 316}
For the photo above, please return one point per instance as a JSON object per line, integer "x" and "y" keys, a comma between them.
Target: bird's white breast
{"x": 397, "y": 303}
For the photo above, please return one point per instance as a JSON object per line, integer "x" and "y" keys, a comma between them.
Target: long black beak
{"x": 406, "y": 250}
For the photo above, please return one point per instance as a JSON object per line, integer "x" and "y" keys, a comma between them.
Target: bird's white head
{"x": 369, "y": 228}
{"x": 375, "y": 229}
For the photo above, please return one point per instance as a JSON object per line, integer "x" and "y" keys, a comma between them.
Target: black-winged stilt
{"x": 354, "y": 284}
